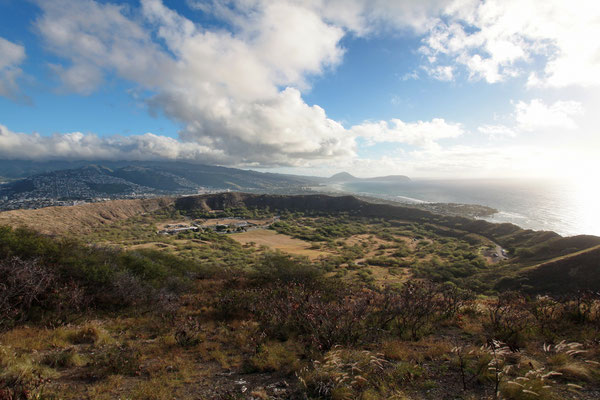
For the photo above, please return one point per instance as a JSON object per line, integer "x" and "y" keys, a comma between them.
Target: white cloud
{"x": 496, "y": 39}
{"x": 11, "y": 56}
{"x": 536, "y": 115}
{"x": 421, "y": 133}
{"x": 77, "y": 146}
{"x": 497, "y": 131}
{"x": 410, "y": 76}
{"x": 459, "y": 161}
{"x": 361, "y": 17}
{"x": 96, "y": 39}
{"x": 237, "y": 93}
{"x": 440, "y": 72}
{"x": 492, "y": 39}
{"x": 502, "y": 161}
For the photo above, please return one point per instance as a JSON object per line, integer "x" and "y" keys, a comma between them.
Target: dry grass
{"x": 278, "y": 241}
{"x": 33, "y": 339}
{"x": 82, "y": 218}
{"x": 383, "y": 276}
{"x": 427, "y": 349}
{"x": 151, "y": 246}
{"x": 277, "y": 357}
{"x": 90, "y": 333}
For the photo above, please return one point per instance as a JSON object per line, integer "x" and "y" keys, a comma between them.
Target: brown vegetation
{"x": 203, "y": 316}
{"x": 81, "y": 218}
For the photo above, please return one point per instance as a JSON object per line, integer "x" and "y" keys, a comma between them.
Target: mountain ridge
{"x": 121, "y": 179}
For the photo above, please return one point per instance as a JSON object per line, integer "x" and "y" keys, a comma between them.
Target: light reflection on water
{"x": 568, "y": 208}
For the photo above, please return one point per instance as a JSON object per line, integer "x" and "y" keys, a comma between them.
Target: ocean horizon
{"x": 565, "y": 207}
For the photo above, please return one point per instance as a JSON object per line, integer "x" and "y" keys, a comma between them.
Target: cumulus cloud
{"x": 96, "y": 39}
{"x": 11, "y": 57}
{"x": 77, "y": 145}
{"x": 421, "y": 133}
{"x": 237, "y": 90}
{"x": 495, "y": 40}
{"x": 497, "y": 131}
{"x": 536, "y": 115}
{"x": 361, "y": 17}
{"x": 237, "y": 93}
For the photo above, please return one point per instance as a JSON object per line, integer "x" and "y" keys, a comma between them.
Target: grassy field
{"x": 278, "y": 241}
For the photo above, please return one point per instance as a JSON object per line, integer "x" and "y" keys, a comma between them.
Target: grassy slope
{"x": 576, "y": 271}
{"x": 81, "y": 218}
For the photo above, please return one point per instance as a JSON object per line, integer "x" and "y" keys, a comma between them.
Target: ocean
{"x": 568, "y": 208}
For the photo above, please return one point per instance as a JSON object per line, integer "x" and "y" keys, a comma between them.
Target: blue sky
{"x": 429, "y": 89}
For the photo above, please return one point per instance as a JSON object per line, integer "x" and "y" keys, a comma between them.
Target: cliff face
{"x": 277, "y": 202}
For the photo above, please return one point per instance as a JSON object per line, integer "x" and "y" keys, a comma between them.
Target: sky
{"x": 424, "y": 88}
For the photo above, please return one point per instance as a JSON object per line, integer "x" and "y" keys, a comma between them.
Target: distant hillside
{"x": 28, "y": 183}
{"x": 388, "y": 178}
{"x": 82, "y": 218}
{"x": 135, "y": 180}
{"x": 345, "y": 177}
{"x": 342, "y": 177}
{"x": 578, "y": 271}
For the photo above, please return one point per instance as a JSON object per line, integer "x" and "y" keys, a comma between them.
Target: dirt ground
{"x": 278, "y": 241}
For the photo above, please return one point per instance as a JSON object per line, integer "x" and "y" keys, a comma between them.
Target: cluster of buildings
{"x": 229, "y": 225}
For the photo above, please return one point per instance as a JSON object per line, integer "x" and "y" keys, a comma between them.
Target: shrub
{"x": 28, "y": 288}
{"x": 548, "y": 313}
{"x": 583, "y": 306}
{"x": 41, "y": 276}
{"x": 320, "y": 319}
{"x": 282, "y": 268}
{"x": 508, "y": 319}
{"x": 352, "y": 374}
{"x": 416, "y": 305}
{"x": 187, "y": 332}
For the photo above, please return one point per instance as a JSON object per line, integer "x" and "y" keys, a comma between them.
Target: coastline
{"x": 536, "y": 206}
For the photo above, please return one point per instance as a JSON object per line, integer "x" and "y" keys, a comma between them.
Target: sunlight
{"x": 583, "y": 197}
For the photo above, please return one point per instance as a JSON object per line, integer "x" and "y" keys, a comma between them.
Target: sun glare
{"x": 583, "y": 195}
